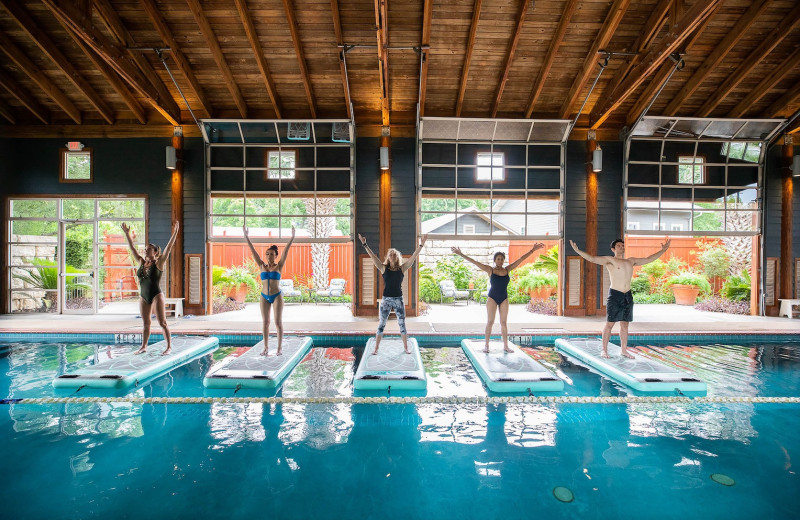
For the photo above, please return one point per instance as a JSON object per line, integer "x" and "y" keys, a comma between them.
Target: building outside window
{"x": 490, "y": 167}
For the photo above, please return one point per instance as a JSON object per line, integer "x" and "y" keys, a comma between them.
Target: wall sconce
{"x": 796, "y": 166}
{"x": 597, "y": 160}
{"x": 384, "y": 158}
{"x": 172, "y": 158}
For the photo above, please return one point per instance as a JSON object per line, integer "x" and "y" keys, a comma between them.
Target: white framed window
{"x": 676, "y": 227}
{"x": 691, "y": 170}
{"x": 659, "y": 227}
{"x": 633, "y": 225}
{"x": 76, "y": 166}
{"x": 491, "y": 166}
{"x": 281, "y": 164}
{"x": 468, "y": 229}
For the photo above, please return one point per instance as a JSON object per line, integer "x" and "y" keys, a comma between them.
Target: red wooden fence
{"x": 298, "y": 262}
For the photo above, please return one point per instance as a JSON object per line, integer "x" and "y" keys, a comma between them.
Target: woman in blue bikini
{"x": 499, "y": 277}
{"x": 271, "y": 296}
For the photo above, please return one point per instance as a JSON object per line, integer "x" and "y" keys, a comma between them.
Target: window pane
{"x": 34, "y": 208}
{"x": 226, "y": 226}
{"x": 77, "y": 208}
{"x": 438, "y": 223}
{"x": 542, "y": 225}
{"x": 227, "y": 206}
{"x": 79, "y": 166}
{"x": 31, "y": 254}
{"x": 281, "y": 164}
{"x": 32, "y": 231}
{"x": 110, "y": 232}
{"x": 438, "y": 205}
{"x": 690, "y": 171}
{"x": 262, "y": 206}
{"x": 262, "y": 226}
{"x": 122, "y": 208}
{"x": 707, "y": 220}
{"x": 297, "y": 206}
{"x": 741, "y": 221}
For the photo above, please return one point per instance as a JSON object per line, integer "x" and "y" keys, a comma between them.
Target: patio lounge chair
{"x": 335, "y": 288}
{"x": 448, "y": 289}
{"x": 287, "y": 288}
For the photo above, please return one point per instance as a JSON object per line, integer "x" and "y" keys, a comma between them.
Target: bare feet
{"x": 374, "y": 352}
{"x": 507, "y": 350}
{"x": 408, "y": 352}
{"x": 142, "y": 350}
{"x": 626, "y": 354}
{"x": 265, "y": 352}
{"x": 278, "y": 352}
{"x": 486, "y": 349}
{"x": 604, "y": 354}
{"x": 166, "y": 351}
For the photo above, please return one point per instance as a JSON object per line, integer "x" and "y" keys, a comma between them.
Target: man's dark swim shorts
{"x": 619, "y": 306}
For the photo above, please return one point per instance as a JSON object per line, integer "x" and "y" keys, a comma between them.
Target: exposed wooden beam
{"x": 7, "y": 113}
{"x": 427, "y": 19}
{"x": 731, "y": 39}
{"x": 164, "y": 31}
{"x": 40, "y": 38}
{"x": 382, "y": 33}
{"x": 767, "y": 45}
{"x": 794, "y": 127}
{"x": 111, "y": 76}
{"x": 512, "y": 48}
{"x": 550, "y": 58}
{"x": 216, "y": 53}
{"x": 778, "y": 108}
{"x": 670, "y": 43}
{"x": 23, "y": 96}
{"x": 110, "y": 17}
{"x": 788, "y": 65}
{"x": 589, "y": 66}
{"x": 118, "y": 58}
{"x": 39, "y": 77}
{"x": 301, "y": 60}
{"x": 115, "y": 131}
{"x": 258, "y": 54}
{"x": 645, "y": 40}
{"x": 650, "y": 91}
{"x": 337, "y": 27}
{"x": 473, "y": 31}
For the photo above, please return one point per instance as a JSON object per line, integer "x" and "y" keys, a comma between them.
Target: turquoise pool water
{"x": 402, "y": 461}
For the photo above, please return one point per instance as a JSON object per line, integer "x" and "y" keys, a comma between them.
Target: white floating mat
{"x": 391, "y": 367}
{"x": 640, "y": 373}
{"x": 129, "y": 369}
{"x": 509, "y": 371}
{"x": 252, "y": 370}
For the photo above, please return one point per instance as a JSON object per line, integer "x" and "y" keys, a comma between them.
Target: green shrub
{"x": 548, "y": 261}
{"x": 641, "y": 285}
{"x": 690, "y": 278}
{"x": 536, "y": 279}
{"x": 714, "y": 259}
{"x": 655, "y": 269}
{"x": 429, "y": 291}
{"x": 653, "y": 298}
{"x": 454, "y": 268}
{"x": 737, "y": 288}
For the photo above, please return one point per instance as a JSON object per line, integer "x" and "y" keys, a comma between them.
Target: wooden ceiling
{"x": 91, "y": 62}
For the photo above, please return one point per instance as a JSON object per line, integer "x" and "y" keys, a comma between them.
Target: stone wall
{"x": 480, "y": 250}
{"x": 22, "y": 255}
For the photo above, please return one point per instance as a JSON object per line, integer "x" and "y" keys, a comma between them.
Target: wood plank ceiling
{"x": 65, "y": 63}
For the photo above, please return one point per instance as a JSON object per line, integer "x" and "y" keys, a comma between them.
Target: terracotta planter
{"x": 541, "y": 293}
{"x": 238, "y": 292}
{"x": 685, "y": 294}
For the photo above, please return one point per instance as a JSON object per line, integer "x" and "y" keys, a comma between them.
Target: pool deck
{"x": 442, "y": 319}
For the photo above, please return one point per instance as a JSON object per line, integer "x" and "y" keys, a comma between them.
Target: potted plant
{"x": 238, "y": 281}
{"x": 687, "y": 285}
{"x": 539, "y": 284}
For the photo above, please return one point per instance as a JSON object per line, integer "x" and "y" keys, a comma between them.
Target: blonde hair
{"x": 388, "y": 262}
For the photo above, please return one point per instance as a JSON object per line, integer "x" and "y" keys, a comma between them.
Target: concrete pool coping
{"x": 442, "y": 320}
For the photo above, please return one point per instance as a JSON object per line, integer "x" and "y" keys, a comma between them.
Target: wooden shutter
{"x": 797, "y": 277}
{"x": 369, "y": 282}
{"x": 574, "y": 282}
{"x": 771, "y": 282}
{"x": 193, "y": 284}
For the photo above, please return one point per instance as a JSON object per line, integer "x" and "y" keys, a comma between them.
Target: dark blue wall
{"x": 773, "y": 207}
{"x": 121, "y": 166}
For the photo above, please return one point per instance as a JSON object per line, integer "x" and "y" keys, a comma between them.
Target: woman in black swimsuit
{"x": 151, "y": 266}
{"x": 498, "y": 289}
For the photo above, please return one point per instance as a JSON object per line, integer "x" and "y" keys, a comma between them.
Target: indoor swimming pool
{"x": 422, "y": 459}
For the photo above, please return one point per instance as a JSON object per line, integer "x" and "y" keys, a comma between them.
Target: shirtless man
{"x": 619, "y": 305}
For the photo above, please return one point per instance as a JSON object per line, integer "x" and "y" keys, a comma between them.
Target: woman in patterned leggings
{"x": 393, "y": 271}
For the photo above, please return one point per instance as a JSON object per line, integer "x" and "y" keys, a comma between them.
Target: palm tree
{"x": 548, "y": 261}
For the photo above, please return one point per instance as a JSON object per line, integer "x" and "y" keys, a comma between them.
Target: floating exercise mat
{"x": 253, "y": 370}
{"x": 513, "y": 371}
{"x": 640, "y": 373}
{"x": 391, "y": 368}
{"x": 131, "y": 369}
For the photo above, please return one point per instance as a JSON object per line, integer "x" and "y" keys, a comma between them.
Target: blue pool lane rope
{"x": 479, "y": 400}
